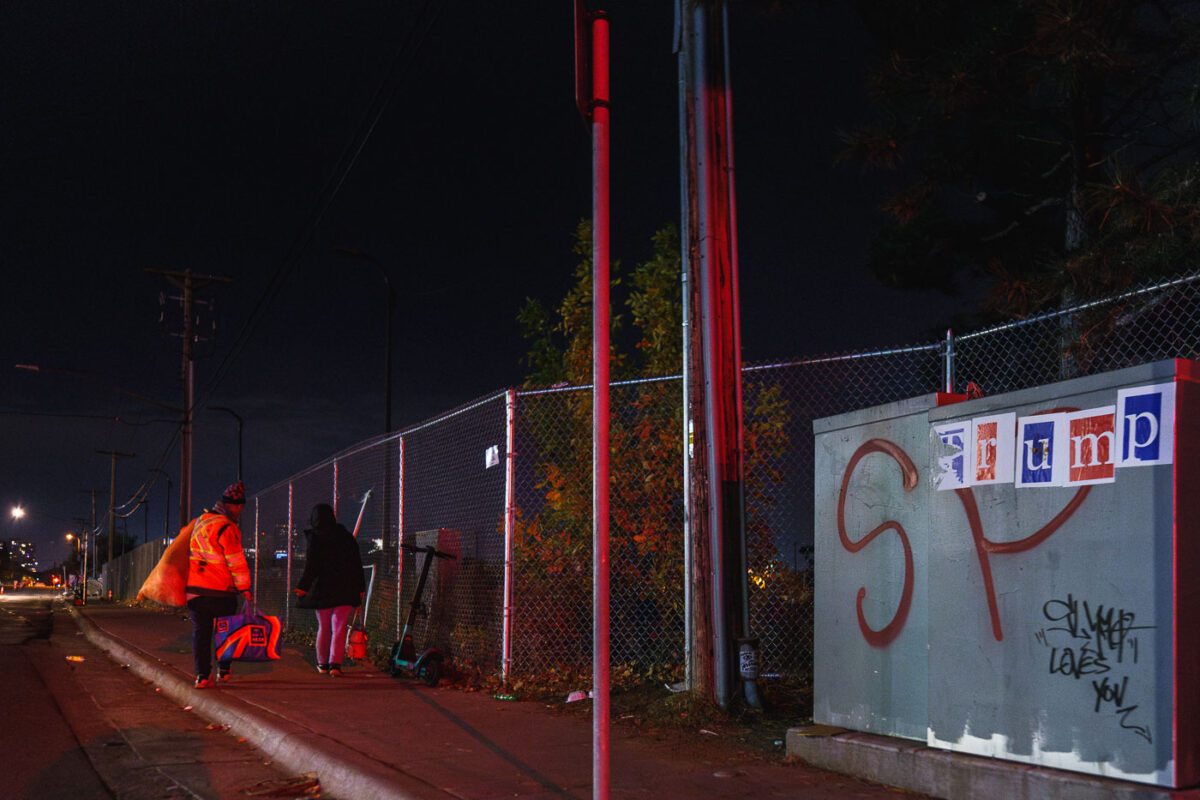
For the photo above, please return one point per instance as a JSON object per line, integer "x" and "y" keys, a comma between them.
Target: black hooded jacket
{"x": 333, "y": 571}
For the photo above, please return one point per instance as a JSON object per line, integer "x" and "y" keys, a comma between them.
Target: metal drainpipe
{"x": 685, "y": 289}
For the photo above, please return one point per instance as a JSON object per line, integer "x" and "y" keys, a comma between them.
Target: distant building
{"x": 18, "y": 553}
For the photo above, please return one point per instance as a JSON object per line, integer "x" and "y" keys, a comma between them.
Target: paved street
{"x": 78, "y": 725}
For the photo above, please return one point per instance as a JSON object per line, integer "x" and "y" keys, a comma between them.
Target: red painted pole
{"x": 600, "y": 407}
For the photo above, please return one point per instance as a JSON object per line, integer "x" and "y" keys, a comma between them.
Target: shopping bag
{"x": 248, "y": 636}
{"x": 167, "y": 582}
{"x": 356, "y": 640}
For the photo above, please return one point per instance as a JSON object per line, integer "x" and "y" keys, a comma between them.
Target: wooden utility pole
{"x": 188, "y": 283}
{"x": 718, "y": 612}
{"x": 112, "y": 496}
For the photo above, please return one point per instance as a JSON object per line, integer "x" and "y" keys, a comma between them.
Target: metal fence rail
{"x": 504, "y": 484}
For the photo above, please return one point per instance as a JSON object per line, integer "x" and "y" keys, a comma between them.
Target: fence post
{"x": 509, "y": 511}
{"x": 257, "y": 548}
{"x": 399, "y": 533}
{"x": 287, "y": 607}
{"x": 949, "y": 361}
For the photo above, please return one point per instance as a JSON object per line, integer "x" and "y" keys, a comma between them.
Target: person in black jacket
{"x": 332, "y": 584}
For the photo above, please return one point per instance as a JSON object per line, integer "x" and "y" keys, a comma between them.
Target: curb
{"x": 341, "y": 770}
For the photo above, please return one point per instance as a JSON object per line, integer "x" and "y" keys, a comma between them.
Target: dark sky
{"x": 210, "y": 137}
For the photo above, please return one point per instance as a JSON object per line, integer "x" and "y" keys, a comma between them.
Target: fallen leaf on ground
{"x": 306, "y": 785}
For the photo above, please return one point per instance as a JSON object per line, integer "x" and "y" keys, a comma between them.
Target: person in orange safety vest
{"x": 217, "y": 576}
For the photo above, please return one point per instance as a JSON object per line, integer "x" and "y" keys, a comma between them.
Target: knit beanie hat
{"x": 235, "y": 495}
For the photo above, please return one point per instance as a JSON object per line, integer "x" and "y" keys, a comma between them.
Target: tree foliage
{"x": 646, "y": 525}
{"x": 555, "y": 541}
{"x": 561, "y": 339}
{"x": 1047, "y": 146}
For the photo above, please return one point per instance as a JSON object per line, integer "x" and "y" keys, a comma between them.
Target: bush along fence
{"x": 504, "y": 485}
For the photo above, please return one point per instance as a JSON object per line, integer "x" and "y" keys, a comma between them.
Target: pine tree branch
{"x": 1026, "y": 214}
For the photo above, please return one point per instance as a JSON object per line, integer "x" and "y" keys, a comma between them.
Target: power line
{"x": 386, "y": 91}
{"x": 400, "y": 64}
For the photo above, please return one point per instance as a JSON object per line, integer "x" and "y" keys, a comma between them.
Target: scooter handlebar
{"x": 430, "y": 549}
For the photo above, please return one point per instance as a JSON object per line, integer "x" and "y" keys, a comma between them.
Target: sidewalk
{"x": 369, "y": 736}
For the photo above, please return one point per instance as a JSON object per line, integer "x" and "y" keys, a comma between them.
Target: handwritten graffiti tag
{"x": 1092, "y": 642}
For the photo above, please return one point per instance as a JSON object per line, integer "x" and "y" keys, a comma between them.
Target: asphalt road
{"x": 77, "y": 725}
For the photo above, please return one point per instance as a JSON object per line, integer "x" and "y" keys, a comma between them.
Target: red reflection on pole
{"x": 600, "y": 410}
{"x": 593, "y": 104}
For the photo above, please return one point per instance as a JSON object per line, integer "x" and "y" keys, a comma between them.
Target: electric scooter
{"x": 428, "y": 665}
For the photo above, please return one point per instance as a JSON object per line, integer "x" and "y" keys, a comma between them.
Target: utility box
{"x": 871, "y": 608}
{"x": 1027, "y": 580}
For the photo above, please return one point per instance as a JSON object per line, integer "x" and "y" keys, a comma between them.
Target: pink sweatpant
{"x": 331, "y": 634}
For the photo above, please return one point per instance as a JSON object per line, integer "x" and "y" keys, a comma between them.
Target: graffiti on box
{"x": 1060, "y": 447}
{"x": 1099, "y": 644}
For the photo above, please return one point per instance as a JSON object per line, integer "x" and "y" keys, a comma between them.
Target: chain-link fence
{"x": 552, "y": 531}
{"x": 440, "y": 484}
{"x": 504, "y": 485}
{"x": 781, "y": 401}
{"x": 1150, "y": 323}
{"x": 123, "y": 576}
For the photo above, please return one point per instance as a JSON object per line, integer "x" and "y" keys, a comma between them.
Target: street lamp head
{"x": 17, "y": 512}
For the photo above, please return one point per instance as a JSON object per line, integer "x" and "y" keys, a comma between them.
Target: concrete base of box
{"x": 912, "y": 766}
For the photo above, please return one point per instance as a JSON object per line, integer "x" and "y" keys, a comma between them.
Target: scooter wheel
{"x": 395, "y": 670}
{"x": 432, "y": 673}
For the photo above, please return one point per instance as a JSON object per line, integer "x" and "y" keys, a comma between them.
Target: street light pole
{"x": 167, "y": 502}
{"x": 83, "y": 526}
{"x": 16, "y": 513}
{"x": 93, "y": 493}
{"x": 82, "y": 565}
{"x": 387, "y": 349}
{"x": 388, "y": 474}
{"x": 233, "y": 413}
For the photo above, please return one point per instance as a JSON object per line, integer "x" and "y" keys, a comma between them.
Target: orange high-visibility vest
{"x": 216, "y": 563}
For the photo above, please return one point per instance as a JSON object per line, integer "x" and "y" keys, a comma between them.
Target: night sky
{"x": 214, "y": 137}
